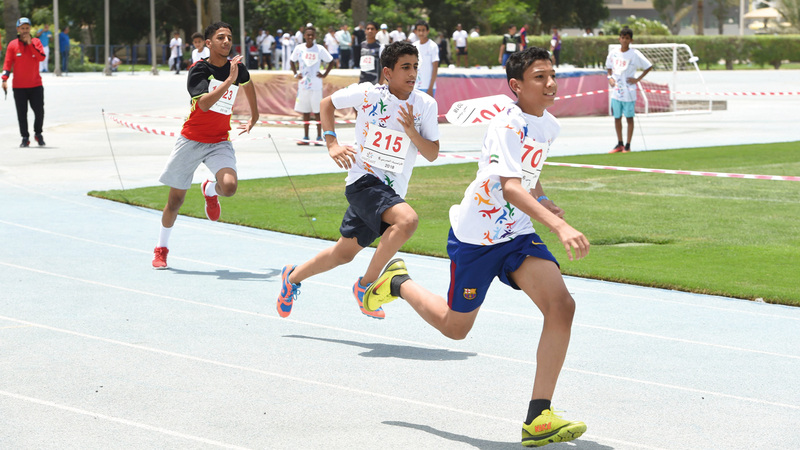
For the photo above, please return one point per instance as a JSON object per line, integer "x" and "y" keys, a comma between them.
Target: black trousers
{"x": 344, "y": 58}
{"x": 34, "y": 96}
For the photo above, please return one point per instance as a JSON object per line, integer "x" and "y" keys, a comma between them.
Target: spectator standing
{"x": 476, "y": 32}
{"x": 369, "y": 59}
{"x": 265, "y": 48}
{"x": 332, "y": 44}
{"x": 555, "y": 45}
{"x": 63, "y": 47}
{"x": 176, "y": 52}
{"x": 383, "y": 35}
{"x": 397, "y": 35}
{"x": 288, "y": 43}
{"x": 460, "y": 36}
{"x": 523, "y": 37}
{"x": 444, "y": 50}
{"x": 44, "y": 35}
{"x": 306, "y": 60}
{"x": 277, "y": 52}
{"x": 359, "y": 36}
{"x": 621, "y": 65}
{"x": 588, "y": 32}
{"x": 345, "y": 41}
{"x": 200, "y": 50}
{"x": 509, "y": 46}
{"x": 23, "y": 56}
{"x": 428, "y": 67}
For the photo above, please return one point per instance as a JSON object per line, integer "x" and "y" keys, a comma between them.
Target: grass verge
{"x": 732, "y": 237}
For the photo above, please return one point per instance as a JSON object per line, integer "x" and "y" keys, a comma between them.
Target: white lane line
{"x": 385, "y": 338}
{"x": 430, "y": 267}
{"x": 653, "y": 336}
{"x": 127, "y": 422}
{"x": 260, "y": 372}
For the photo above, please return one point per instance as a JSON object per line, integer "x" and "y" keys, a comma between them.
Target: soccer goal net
{"x": 674, "y": 85}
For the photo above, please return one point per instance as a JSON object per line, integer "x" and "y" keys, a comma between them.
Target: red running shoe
{"x": 618, "y": 149}
{"x": 160, "y": 258}
{"x": 213, "y": 209}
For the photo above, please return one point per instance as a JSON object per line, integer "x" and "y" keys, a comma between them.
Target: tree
{"x": 721, "y": 10}
{"x": 10, "y": 16}
{"x": 359, "y": 9}
{"x": 672, "y": 12}
{"x": 790, "y": 9}
{"x": 571, "y": 13}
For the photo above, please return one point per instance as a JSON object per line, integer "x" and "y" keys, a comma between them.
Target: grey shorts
{"x": 187, "y": 156}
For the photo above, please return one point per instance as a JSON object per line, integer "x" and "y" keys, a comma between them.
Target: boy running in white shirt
{"x": 306, "y": 61}
{"x": 393, "y": 122}
{"x": 492, "y": 236}
{"x": 622, "y": 65}
{"x": 213, "y": 84}
{"x": 428, "y": 59}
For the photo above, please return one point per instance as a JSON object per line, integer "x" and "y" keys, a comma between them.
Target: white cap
{"x": 383, "y": 26}
{"x": 309, "y": 24}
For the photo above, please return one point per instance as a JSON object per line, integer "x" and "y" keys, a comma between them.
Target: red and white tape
{"x": 142, "y": 128}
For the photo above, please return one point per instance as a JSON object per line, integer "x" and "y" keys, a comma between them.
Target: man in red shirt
{"x": 23, "y": 56}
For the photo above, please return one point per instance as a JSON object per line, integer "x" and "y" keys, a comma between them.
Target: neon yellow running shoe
{"x": 379, "y": 292}
{"x": 549, "y": 428}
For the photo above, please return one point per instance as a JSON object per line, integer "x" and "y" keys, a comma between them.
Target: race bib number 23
{"x": 225, "y": 103}
{"x": 386, "y": 149}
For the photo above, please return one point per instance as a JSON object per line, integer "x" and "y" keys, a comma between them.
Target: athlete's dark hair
{"x": 197, "y": 35}
{"x": 211, "y": 29}
{"x": 422, "y": 23}
{"x": 310, "y": 28}
{"x": 394, "y": 51}
{"x": 371, "y": 23}
{"x": 625, "y": 31}
{"x": 520, "y": 61}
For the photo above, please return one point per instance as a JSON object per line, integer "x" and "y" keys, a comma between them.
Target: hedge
{"x": 592, "y": 51}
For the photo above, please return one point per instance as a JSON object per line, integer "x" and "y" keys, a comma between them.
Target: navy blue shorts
{"x": 473, "y": 267}
{"x": 369, "y": 197}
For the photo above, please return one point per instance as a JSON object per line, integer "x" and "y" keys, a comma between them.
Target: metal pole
{"x": 241, "y": 30}
{"x": 57, "y": 39}
{"x": 154, "y": 70}
{"x": 741, "y": 17}
{"x": 199, "y": 16}
{"x": 107, "y": 69}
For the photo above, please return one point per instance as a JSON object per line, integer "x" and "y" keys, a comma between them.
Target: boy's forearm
{"x": 326, "y": 119}
{"x": 524, "y": 200}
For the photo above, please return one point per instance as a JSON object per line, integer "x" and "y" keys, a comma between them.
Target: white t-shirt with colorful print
{"x": 515, "y": 146}
{"x": 308, "y": 60}
{"x": 378, "y": 109}
{"x": 623, "y": 65}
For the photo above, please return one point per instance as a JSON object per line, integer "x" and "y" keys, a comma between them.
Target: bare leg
{"x": 306, "y": 118}
{"x": 319, "y": 125}
{"x": 174, "y": 203}
{"x": 434, "y": 310}
{"x": 618, "y": 128}
{"x": 403, "y": 222}
{"x": 547, "y": 290}
{"x": 342, "y": 252}
{"x": 227, "y": 182}
{"x": 630, "y": 129}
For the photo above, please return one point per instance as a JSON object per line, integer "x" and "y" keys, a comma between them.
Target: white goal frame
{"x": 679, "y": 71}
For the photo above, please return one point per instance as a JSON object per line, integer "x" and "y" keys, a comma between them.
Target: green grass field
{"x": 725, "y": 236}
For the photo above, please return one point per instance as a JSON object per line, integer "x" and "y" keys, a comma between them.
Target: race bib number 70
{"x": 533, "y": 156}
{"x": 386, "y": 149}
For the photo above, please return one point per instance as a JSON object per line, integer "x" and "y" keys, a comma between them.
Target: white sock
{"x": 211, "y": 189}
{"x": 163, "y": 237}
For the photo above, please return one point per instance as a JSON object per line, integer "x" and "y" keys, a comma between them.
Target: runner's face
{"x": 24, "y": 30}
{"x": 537, "y": 89}
{"x": 404, "y": 75}
{"x": 198, "y": 44}
{"x": 221, "y": 42}
{"x": 310, "y": 37}
{"x": 370, "y": 31}
{"x": 625, "y": 41}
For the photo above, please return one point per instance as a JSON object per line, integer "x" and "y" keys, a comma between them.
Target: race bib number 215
{"x": 386, "y": 149}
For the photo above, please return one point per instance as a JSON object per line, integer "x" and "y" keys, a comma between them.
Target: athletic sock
{"x": 394, "y": 286}
{"x": 627, "y": 146}
{"x": 163, "y": 236}
{"x": 211, "y": 189}
{"x": 619, "y": 143}
{"x": 535, "y": 408}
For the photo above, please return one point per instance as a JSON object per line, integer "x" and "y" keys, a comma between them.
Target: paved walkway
{"x": 99, "y": 351}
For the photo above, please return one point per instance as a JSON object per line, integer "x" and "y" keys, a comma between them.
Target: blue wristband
{"x": 328, "y": 133}
{"x": 541, "y": 197}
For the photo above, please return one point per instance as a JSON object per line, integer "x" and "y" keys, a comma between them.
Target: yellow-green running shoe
{"x": 379, "y": 292}
{"x": 549, "y": 428}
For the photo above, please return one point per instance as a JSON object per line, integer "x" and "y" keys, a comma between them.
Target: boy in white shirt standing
{"x": 200, "y": 50}
{"x": 428, "y": 59}
{"x": 393, "y": 122}
{"x": 492, "y": 236}
{"x": 622, "y": 65}
{"x": 460, "y": 36}
{"x": 306, "y": 60}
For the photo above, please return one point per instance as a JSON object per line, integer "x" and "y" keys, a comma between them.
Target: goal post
{"x": 675, "y": 85}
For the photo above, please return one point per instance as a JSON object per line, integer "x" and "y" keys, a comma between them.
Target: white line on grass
{"x": 118, "y": 419}
{"x": 376, "y": 336}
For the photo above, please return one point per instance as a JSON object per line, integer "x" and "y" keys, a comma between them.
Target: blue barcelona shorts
{"x": 474, "y": 267}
